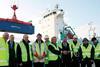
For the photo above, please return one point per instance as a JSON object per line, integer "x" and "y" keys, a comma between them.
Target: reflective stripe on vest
{"x": 52, "y": 56}
{"x": 4, "y": 53}
{"x": 86, "y": 52}
{"x": 24, "y": 51}
{"x": 97, "y": 51}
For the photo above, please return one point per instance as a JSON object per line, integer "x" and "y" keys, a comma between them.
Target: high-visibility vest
{"x": 52, "y": 56}
{"x": 47, "y": 44}
{"x": 4, "y": 53}
{"x": 97, "y": 51}
{"x": 76, "y": 47}
{"x": 37, "y": 49}
{"x": 86, "y": 52}
{"x": 70, "y": 42}
{"x": 24, "y": 51}
{"x": 47, "y": 51}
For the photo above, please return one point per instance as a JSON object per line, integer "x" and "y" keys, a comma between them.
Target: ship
{"x": 52, "y": 24}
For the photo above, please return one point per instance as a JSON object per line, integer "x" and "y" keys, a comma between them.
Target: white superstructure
{"x": 52, "y": 23}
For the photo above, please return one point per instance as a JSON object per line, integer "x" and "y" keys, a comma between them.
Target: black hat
{"x": 93, "y": 39}
{"x": 39, "y": 34}
{"x": 85, "y": 39}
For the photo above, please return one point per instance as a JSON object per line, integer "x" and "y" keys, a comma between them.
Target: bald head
{"x": 6, "y": 36}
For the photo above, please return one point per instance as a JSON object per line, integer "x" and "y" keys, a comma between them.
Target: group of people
{"x": 46, "y": 53}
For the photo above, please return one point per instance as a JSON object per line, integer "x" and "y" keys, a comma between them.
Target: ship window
{"x": 49, "y": 14}
{"x": 54, "y": 12}
{"x": 61, "y": 10}
{"x": 46, "y": 15}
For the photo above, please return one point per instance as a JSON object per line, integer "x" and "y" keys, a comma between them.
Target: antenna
{"x": 91, "y": 30}
{"x": 57, "y": 4}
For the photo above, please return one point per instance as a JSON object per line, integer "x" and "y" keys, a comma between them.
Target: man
{"x": 25, "y": 52}
{"x": 75, "y": 46}
{"x": 4, "y": 51}
{"x": 96, "y": 51}
{"x": 12, "y": 51}
{"x": 39, "y": 49}
{"x": 54, "y": 53}
{"x": 47, "y": 42}
{"x": 87, "y": 53}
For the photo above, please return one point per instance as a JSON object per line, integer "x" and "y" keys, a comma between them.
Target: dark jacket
{"x": 37, "y": 41}
{"x": 67, "y": 57}
{"x": 12, "y": 56}
{"x": 19, "y": 53}
{"x": 53, "y": 50}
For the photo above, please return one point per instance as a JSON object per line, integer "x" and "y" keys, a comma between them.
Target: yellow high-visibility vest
{"x": 52, "y": 56}
{"x": 97, "y": 51}
{"x": 47, "y": 52}
{"x": 75, "y": 47}
{"x": 86, "y": 52}
{"x": 37, "y": 49}
{"x": 71, "y": 45}
{"x": 24, "y": 51}
{"x": 4, "y": 53}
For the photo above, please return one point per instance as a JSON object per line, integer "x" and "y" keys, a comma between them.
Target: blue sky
{"x": 78, "y": 13}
